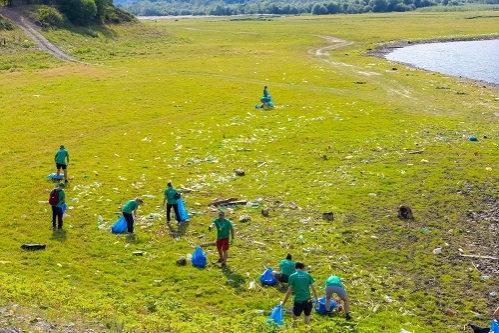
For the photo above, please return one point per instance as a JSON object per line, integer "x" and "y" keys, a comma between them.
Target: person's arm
{"x": 315, "y": 293}
{"x": 67, "y": 159}
{"x": 211, "y": 226}
{"x": 135, "y": 212}
{"x": 496, "y": 314}
{"x": 288, "y": 293}
{"x": 232, "y": 232}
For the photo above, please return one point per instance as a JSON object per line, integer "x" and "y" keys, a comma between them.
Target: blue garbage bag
{"x": 119, "y": 226}
{"x": 322, "y": 305}
{"x": 199, "y": 258}
{"x": 53, "y": 175}
{"x": 276, "y": 316}
{"x": 494, "y": 326}
{"x": 63, "y": 207}
{"x": 184, "y": 216}
{"x": 267, "y": 279}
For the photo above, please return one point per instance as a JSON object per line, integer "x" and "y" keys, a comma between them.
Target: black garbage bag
{"x": 33, "y": 247}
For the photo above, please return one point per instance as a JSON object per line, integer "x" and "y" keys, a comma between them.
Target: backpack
{"x": 54, "y": 197}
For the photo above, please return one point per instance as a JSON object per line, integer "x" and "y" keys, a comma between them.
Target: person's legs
{"x": 220, "y": 250}
{"x": 297, "y": 309}
{"x": 347, "y": 307}
{"x": 129, "y": 222}
{"x": 168, "y": 211}
{"x": 329, "y": 294}
{"x": 307, "y": 310}
{"x": 58, "y": 166}
{"x": 177, "y": 215}
{"x": 59, "y": 217}
{"x": 54, "y": 214}
{"x": 65, "y": 174}
{"x": 225, "y": 248}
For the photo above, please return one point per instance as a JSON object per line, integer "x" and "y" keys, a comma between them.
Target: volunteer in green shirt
{"x": 300, "y": 283}
{"x": 334, "y": 286}
{"x": 131, "y": 208}
{"x": 61, "y": 159}
{"x": 57, "y": 209}
{"x": 287, "y": 267}
{"x": 224, "y": 229}
{"x": 170, "y": 198}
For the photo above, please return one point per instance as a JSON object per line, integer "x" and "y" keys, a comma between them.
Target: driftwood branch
{"x": 416, "y": 152}
{"x": 479, "y": 257}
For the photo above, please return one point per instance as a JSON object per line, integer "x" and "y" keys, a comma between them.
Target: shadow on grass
{"x": 59, "y": 235}
{"x": 234, "y": 279}
{"x": 177, "y": 230}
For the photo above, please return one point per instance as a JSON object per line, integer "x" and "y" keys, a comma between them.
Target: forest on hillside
{"x": 279, "y": 7}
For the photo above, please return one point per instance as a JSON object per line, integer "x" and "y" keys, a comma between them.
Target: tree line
{"x": 78, "y": 12}
{"x": 296, "y": 7}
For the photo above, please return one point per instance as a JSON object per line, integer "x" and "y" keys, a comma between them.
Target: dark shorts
{"x": 282, "y": 277}
{"x": 223, "y": 244}
{"x": 59, "y": 166}
{"x": 305, "y": 306}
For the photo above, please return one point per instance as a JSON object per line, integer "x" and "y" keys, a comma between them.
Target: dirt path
{"x": 31, "y": 30}
{"x": 336, "y": 43}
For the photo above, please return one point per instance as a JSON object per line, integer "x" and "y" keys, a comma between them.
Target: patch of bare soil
{"x": 31, "y": 30}
{"x": 14, "y": 316}
{"x": 482, "y": 228}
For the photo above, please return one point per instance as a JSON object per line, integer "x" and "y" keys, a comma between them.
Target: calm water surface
{"x": 478, "y": 60}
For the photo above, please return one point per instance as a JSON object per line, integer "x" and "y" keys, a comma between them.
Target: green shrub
{"x": 49, "y": 16}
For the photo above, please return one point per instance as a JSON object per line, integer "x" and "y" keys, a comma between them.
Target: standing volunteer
{"x": 131, "y": 208}
{"x": 57, "y": 199}
{"x": 224, "y": 228}
{"x": 300, "y": 284}
{"x": 170, "y": 198}
{"x": 61, "y": 161}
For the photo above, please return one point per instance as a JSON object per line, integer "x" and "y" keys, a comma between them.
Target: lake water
{"x": 477, "y": 60}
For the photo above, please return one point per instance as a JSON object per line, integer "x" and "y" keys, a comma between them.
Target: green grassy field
{"x": 174, "y": 99}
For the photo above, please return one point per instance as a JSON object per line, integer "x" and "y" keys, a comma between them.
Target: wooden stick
{"x": 480, "y": 257}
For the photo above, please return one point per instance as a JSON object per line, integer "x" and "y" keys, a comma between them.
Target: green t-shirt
{"x": 334, "y": 281}
{"x": 130, "y": 206}
{"x": 62, "y": 197}
{"x": 287, "y": 267}
{"x": 170, "y": 196}
{"x": 301, "y": 281}
{"x": 223, "y": 228}
{"x": 60, "y": 156}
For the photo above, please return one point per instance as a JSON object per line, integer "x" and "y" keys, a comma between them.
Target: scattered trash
{"x": 265, "y": 212}
{"x": 328, "y": 216}
{"x": 181, "y": 261}
{"x": 449, "y": 312}
{"x": 438, "y": 250}
{"x": 405, "y": 212}
{"x": 33, "y": 247}
{"x": 485, "y": 277}
{"x": 244, "y": 218}
{"x": 138, "y": 253}
{"x": 473, "y": 138}
{"x": 425, "y": 230}
{"x": 388, "y": 299}
{"x": 239, "y": 172}
{"x": 372, "y": 194}
{"x": 292, "y": 205}
{"x": 493, "y": 294}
